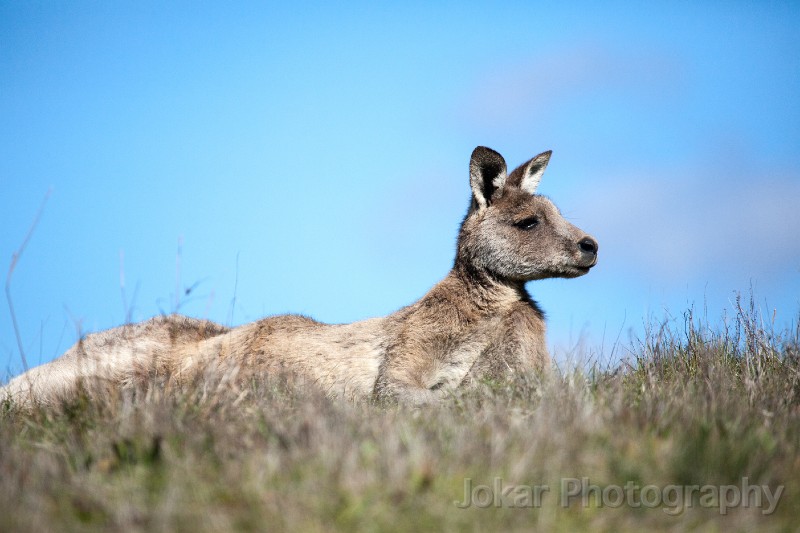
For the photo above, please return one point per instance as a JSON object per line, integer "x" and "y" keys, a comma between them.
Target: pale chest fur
{"x": 509, "y": 342}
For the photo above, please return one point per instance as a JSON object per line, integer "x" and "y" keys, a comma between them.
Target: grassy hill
{"x": 664, "y": 440}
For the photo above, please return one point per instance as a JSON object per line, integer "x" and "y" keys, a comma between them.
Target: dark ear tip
{"x": 541, "y": 159}
{"x": 483, "y": 151}
{"x": 486, "y": 156}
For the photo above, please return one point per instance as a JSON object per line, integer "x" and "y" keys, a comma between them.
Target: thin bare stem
{"x": 14, "y": 260}
{"x": 125, "y": 308}
{"x": 178, "y": 275}
{"x": 235, "y": 289}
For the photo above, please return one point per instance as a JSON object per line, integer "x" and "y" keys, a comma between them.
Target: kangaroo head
{"x": 514, "y": 234}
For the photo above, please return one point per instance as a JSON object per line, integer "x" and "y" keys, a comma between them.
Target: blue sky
{"x": 313, "y": 158}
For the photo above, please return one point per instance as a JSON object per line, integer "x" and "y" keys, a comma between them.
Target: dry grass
{"x": 230, "y": 452}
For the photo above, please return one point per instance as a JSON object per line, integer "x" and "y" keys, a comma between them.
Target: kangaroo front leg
{"x": 418, "y": 380}
{"x": 412, "y": 395}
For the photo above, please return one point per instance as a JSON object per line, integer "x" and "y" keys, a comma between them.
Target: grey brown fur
{"x": 478, "y": 322}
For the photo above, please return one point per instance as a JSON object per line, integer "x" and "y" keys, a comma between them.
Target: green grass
{"x": 689, "y": 406}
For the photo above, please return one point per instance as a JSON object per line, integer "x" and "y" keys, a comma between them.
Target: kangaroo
{"x": 478, "y": 322}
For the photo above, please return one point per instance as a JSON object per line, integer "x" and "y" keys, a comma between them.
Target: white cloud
{"x": 535, "y": 87}
{"x": 692, "y": 222}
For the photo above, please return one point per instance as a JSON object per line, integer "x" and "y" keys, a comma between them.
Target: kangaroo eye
{"x": 528, "y": 223}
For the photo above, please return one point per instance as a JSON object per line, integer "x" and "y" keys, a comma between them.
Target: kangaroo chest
{"x": 455, "y": 355}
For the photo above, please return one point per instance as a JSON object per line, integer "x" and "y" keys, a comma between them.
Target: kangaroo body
{"x": 478, "y": 322}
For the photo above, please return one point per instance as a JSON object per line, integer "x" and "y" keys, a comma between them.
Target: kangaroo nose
{"x": 588, "y": 245}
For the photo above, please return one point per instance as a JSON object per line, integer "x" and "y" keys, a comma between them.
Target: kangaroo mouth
{"x": 580, "y": 270}
{"x": 586, "y": 268}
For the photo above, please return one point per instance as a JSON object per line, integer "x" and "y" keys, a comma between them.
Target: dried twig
{"x": 14, "y": 260}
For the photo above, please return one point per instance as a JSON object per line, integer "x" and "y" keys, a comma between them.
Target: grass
{"x": 690, "y": 406}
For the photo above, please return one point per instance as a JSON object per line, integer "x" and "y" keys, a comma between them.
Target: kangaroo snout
{"x": 588, "y": 246}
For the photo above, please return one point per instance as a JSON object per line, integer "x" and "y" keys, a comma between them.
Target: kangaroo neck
{"x": 484, "y": 291}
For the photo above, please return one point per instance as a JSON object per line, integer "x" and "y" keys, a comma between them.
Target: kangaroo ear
{"x": 487, "y": 175}
{"x": 528, "y": 176}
